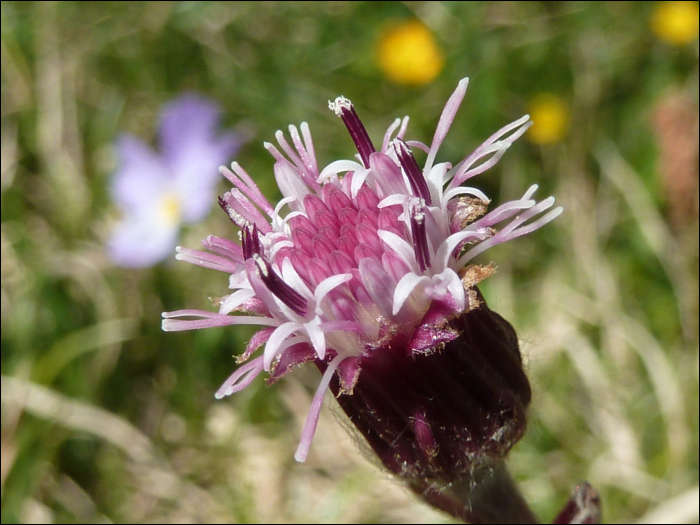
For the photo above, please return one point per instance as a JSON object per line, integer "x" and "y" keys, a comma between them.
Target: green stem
{"x": 489, "y": 495}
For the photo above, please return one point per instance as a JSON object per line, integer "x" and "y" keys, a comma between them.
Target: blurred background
{"x": 105, "y": 418}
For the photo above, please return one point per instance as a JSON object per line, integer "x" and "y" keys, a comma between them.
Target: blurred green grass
{"x": 106, "y": 418}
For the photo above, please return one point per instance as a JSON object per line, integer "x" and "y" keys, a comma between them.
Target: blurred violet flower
{"x": 159, "y": 192}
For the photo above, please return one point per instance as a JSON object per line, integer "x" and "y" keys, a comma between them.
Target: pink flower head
{"x": 357, "y": 255}
{"x": 158, "y": 192}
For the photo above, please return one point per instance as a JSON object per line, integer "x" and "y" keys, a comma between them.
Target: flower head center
{"x": 170, "y": 209}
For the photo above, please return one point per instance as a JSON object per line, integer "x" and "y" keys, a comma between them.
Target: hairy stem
{"x": 489, "y": 495}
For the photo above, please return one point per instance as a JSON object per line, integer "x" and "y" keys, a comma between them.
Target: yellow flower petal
{"x": 676, "y": 22}
{"x": 408, "y": 54}
{"x": 550, "y": 119}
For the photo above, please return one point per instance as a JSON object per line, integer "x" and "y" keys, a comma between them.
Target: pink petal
{"x": 307, "y": 434}
{"x": 241, "y": 378}
{"x": 446, "y": 119}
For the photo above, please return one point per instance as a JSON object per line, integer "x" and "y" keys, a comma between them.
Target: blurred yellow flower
{"x": 550, "y": 119}
{"x": 676, "y": 22}
{"x": 408, "y": 54}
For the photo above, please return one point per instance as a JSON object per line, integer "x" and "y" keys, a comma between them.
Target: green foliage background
{"x": 106, "y": 418}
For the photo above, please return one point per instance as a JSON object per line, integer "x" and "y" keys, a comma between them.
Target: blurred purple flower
{"x": 159, "y": 191}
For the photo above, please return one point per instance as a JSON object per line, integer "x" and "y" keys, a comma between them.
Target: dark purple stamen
{"x": 345, "y": 110}
{"x": 250, "y": 241}
{"x": 413, "y": 171}
{"x": 420, "y": 237}
{"x": 285, "y": 293}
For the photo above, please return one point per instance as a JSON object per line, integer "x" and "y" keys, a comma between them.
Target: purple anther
{"x": 250, "y": 241}
{"x": 420, "y": 236}
{"x": 345, "y": 110}
{"x": 236, "y": 218}
{"x": 413, "y": 171}
{"x": 285, "y": 293}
